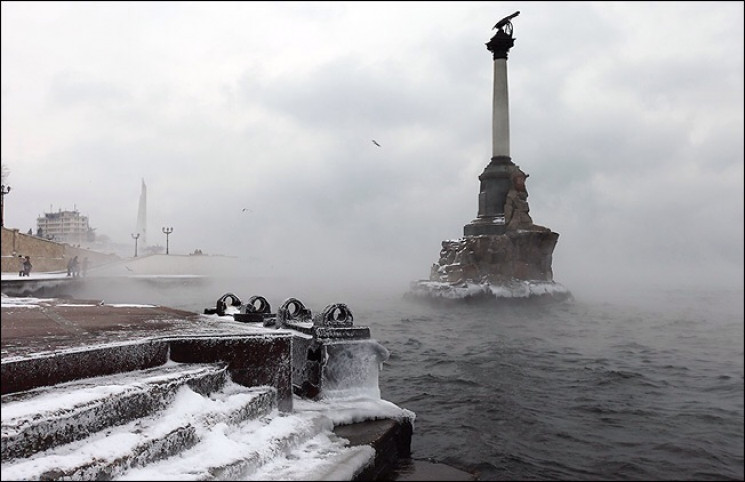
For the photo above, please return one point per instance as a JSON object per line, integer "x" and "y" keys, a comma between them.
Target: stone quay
{"x": 284, "y": 363}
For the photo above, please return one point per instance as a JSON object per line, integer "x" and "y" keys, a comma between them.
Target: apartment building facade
{"x": 65, "y": 227}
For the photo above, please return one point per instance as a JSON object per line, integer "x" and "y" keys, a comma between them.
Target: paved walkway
{"x": 35, "y": 326}
{"x": 14, "y": 276}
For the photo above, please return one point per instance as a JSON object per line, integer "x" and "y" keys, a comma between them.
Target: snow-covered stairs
{"x": 265, "y": 449}
{"x": 37, "y": 419}
{"x": 176, "y": 421}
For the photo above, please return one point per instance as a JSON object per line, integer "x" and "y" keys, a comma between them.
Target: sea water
{"x": 646, "y": 389}
{"x": 647, "y": 386}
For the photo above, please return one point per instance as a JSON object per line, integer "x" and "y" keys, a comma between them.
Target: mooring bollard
{"x": 292, "y": 313}
{"x": 257, "y": 310}
{"x": 221, "y": 304}
{"x": 337, "y": 314}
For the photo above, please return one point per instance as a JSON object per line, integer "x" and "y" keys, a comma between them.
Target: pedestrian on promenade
{"x": 72, "y": 267}
{"x": 27, "y": 266}
{"x": 20, "y": 266}
{"x": 85, "y": 266}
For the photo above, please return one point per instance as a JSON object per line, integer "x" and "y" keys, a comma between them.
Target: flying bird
{"x": 376, "y": 142}
{"x": 246, "y": 209}
{"x": 128, "y": 268}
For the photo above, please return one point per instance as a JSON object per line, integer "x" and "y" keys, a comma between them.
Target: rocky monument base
{"x": 515, "y": 266}
{"x": 497, "y": 259}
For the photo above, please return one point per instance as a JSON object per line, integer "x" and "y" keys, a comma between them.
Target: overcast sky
{"x": 628, "y": 117}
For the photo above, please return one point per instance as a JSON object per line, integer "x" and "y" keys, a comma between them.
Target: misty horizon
{"x": 252, "y": 126}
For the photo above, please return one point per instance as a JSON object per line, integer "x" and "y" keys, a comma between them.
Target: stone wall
{"x": 46, "y": 256}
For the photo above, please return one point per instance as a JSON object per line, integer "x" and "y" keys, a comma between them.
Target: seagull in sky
{"x": 246, "y": 209}
{"x": 376, "y": 142}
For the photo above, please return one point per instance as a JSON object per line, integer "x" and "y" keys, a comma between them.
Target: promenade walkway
{"x": 15, "y": 276}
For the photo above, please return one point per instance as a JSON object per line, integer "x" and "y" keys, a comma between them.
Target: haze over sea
{"x": 644, "y": 384}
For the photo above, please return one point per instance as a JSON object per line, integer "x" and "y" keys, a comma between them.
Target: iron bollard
{"x": 257, "y": 310}
{"x": 221, "y": 305}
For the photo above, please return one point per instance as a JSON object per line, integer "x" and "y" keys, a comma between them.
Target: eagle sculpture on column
{"x": 505, "y": 23}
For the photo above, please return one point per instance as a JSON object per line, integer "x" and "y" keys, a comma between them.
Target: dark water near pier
{"x": 646, "y": 387}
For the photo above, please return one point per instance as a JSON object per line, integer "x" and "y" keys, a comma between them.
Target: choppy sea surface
{"x": 646, "y": 386}
{"x": 575, "y": 391}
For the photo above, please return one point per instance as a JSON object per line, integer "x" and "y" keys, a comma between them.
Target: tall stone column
{"x": 495, "y": 179}
{"x": 500, "y": 102}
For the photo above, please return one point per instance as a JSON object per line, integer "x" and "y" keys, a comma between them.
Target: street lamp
{"x": 5, "y": 190}
{"x": 167, "y": 231}
{"x": 136, "y": 237}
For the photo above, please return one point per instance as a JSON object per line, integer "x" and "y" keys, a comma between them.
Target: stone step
{"x": 265, "y": 449}
{"x": 190, "y": 419}
{"x": 323, "y": 457}
{"x": 42, "y": 418}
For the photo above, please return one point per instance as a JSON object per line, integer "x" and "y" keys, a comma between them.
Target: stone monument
{"x": 502, "y": 252}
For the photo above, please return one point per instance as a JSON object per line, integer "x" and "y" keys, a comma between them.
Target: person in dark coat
{"x": 73, "y": 267}
{"x": 27, "y": 266}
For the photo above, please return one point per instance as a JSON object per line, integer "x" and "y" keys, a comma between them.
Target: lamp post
{"x": 136, "y": 237}
{"x": 5, "y": 190}
{"x": 167, "y": 231}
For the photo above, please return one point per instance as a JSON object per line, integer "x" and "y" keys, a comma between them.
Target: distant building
{"x": 65, "y": 227}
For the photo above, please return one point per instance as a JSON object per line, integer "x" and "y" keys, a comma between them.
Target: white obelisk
{"x": 142, "y": 215}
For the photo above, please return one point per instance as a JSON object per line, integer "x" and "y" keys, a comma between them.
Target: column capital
{"x": 500, "y": 44}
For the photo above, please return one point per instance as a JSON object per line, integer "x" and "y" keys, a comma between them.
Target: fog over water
{"x": 639, "y": 383}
